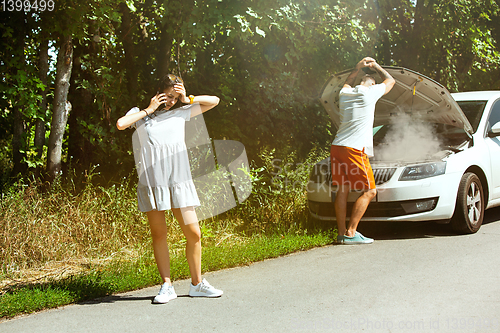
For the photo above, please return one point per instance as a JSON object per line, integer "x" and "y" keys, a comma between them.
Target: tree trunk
{"x": 19, "y": 124}
{"x": 169, "y": 32}
{"x": 79, "y": 148}
{"x": 40, "y": 121}
{"x": 18, "y": 142}
{"x": 129, "y": 48}
{"x": 415, "y": 43}
{"x": 61, "y": 107}
{"x": 164, "y": 54}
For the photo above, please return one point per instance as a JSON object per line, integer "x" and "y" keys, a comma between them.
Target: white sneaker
{"x": 204, "y": 289}
{"x": 166, "y": 294}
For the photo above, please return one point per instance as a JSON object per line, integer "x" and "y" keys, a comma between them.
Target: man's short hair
{"x": 368, "y": 77}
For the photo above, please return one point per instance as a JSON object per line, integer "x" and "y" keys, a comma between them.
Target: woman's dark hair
{"x": 167, "y": 82}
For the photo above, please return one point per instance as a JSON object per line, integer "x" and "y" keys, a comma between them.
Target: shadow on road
{"x": 127, "y": 298}
{"x": 492, "y": 215}
{"x": 118, "y": 298}
{"x": 411, "y": 230}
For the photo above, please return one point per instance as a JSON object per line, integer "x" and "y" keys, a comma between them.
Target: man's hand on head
{"x": 366, "y": 62}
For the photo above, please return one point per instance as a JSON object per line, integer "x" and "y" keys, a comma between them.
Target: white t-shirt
{"x": 357, "y": 110}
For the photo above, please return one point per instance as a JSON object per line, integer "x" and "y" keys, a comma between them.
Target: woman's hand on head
{"x": 156, "y": 101}
{"x": 181, "y": 90}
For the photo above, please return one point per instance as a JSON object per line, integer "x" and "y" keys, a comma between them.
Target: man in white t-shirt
{"x": 353, "y": 145}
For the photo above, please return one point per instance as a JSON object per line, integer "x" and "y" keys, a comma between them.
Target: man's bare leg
{"x": 358, "y": 210}
{"x": 341, "y": 208}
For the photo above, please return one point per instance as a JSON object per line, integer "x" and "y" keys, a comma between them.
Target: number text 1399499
{"x": 27, "y": 5}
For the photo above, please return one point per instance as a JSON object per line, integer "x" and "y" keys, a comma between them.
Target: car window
{"x": 473, "y": 110}
{"x": 494, "y": 115}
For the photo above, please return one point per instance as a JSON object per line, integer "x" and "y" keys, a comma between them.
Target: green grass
{"x": 124, "y": 276}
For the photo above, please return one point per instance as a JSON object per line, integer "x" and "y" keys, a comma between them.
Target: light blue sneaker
{"x": 357, "y": 239}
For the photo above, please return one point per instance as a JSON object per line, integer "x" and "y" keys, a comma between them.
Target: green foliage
{"x": 278, "y": 202}
{"x": 267, "y": 60}
{"x": 449, "y": 41}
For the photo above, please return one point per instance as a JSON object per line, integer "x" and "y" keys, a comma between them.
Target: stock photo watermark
{"x": 311, "y": 177}
{"x": 407, "y": 325}
{"x": 293, "y": 176}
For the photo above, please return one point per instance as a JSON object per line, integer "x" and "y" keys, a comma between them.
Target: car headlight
{"x": 416, "y": 172}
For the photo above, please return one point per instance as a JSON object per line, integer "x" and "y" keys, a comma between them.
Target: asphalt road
{"x": 415, "y": 277}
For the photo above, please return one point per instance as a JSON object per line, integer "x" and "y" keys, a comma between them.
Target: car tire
{"x": 469, "y": 210}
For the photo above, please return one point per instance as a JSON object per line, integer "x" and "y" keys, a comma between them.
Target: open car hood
{"x": 413, "y": 94}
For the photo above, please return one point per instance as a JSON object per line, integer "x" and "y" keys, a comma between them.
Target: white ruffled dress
{"x": 162, "y": 161}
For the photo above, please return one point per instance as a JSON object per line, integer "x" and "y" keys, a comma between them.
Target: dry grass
{"x": 40, "y": 227}
{"x": 52, "y": 235}
{"x": 51, "y": 271}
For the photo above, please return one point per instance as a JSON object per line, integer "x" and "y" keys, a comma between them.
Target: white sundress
{"x": 162, "y": 161}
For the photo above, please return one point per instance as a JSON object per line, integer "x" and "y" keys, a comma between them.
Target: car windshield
{"x": 473, "y": 110}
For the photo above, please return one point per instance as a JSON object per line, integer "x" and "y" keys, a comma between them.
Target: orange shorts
{"x": 352, "y": 168}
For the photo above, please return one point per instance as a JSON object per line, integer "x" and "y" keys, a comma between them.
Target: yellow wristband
{"x": 191, "y": 99}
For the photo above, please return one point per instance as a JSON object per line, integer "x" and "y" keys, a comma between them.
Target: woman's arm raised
{"x": 206, "y": 102}
{"x": 127, "y": 120}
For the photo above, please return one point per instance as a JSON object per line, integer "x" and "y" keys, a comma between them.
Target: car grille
{"x": 375, "y": 209}
{"x": 382, "y": 175}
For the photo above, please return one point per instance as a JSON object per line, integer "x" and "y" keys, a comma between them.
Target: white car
{"x": 437, "y": 155}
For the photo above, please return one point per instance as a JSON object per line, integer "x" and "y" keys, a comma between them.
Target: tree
{"x": 19, "y": 124}
{"x": 62, "y": 106}
{"x": 267, "y": 60}
{"x": 39, "y": 139}
{"x": 449, "y": 41}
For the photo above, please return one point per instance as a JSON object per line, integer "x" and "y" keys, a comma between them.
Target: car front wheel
{"x": 469, "y": 210}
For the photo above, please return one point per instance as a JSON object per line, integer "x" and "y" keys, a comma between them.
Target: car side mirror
{"x": 495, "y": 130}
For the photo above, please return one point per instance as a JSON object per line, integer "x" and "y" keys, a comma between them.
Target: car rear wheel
{"x": 469, "y": 210}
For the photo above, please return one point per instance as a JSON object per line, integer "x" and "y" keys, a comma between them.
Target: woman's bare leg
{"x": 159, "y": 232}
{"x": 190, "y": 227}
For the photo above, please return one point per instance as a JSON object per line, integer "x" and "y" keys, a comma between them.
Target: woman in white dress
{"x": 165, "y": 177}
